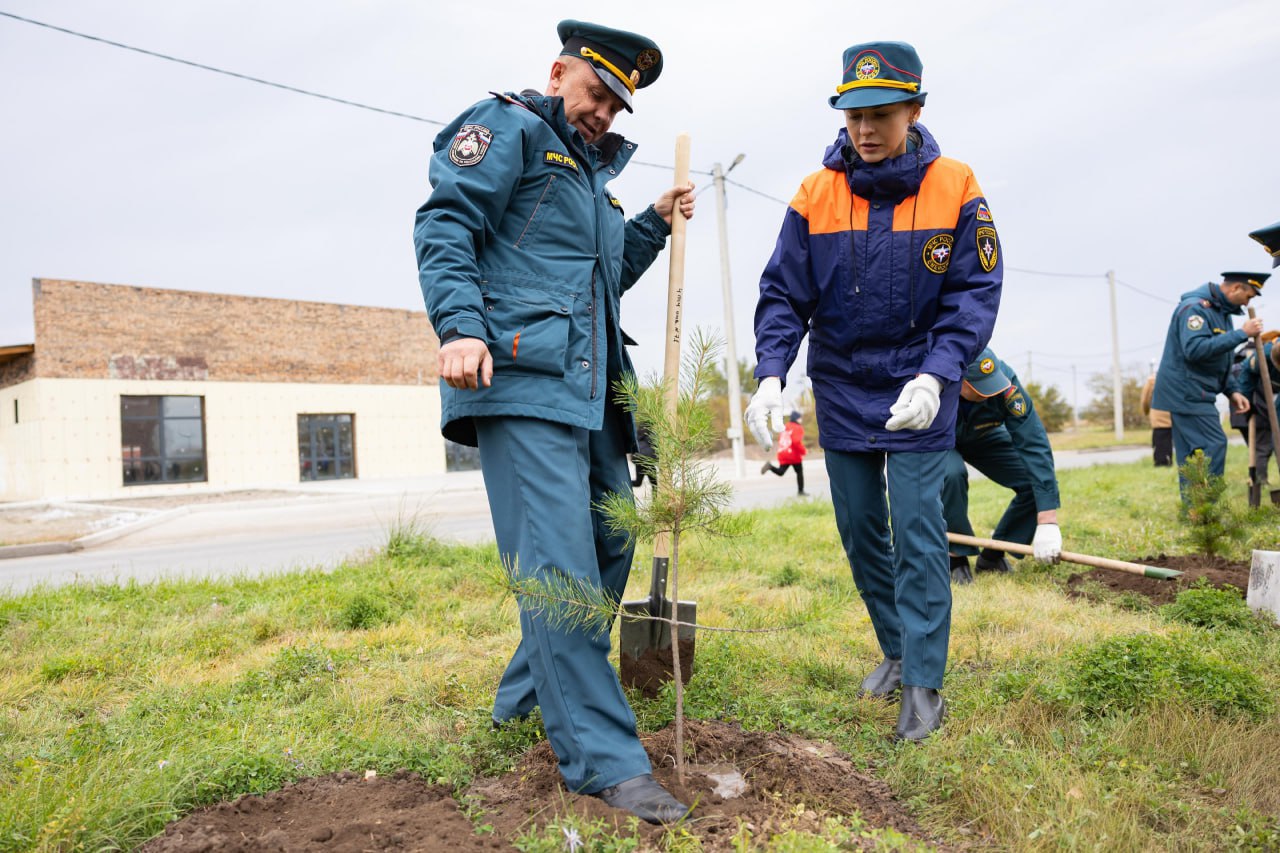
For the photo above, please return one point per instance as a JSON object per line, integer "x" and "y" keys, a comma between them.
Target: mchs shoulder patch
{"x": 557, "y": 159}
{"x": 470, "y": 144}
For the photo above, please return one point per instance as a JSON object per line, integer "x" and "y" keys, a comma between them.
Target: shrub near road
{"x": 1074, "y": 724}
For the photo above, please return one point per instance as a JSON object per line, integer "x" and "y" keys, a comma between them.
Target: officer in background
{"x": 1250, "y": 384}
{"x": 1250, "y": 375}
{"x": 523, "y": 255}
{"x": 1196, "y": 365}
{"x": 1161, "y": 426}
{"x": 999, "y": 433}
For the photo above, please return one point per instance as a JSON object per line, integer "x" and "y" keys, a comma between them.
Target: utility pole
{"x": 1115, "y": 358}
{"x": 730, "y": 345}
{"x": 1075, "y": 400}
{"x": 1029, "y": 378}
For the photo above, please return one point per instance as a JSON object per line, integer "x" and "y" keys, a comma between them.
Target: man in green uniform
{"x": 1196, "y": 365}
{"x": 523, "y": 257}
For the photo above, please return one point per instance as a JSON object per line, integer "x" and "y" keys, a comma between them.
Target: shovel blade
{"x": 1275, "y": 497}
{"x": 644, "y": 645}
{"x": 1255, "y": 495}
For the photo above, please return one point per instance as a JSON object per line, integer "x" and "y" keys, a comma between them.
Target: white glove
{"x": 1047, "y": 544}
{"x": 917, "y": 405}
{"x": 764, "y": 412}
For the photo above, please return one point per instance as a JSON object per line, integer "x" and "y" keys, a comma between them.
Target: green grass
{"x": 1095, "y": 436}
{"x": 127, "y": 706}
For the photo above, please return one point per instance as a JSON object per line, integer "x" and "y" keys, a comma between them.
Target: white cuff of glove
{"x": 917, "y": 405}
{"x": 764, "y": 412}
{"x": 1047, "y": 544}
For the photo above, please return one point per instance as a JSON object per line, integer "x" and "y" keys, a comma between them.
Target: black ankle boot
{"x": 992, "y": 561}
{"x": 921, "y": 714}
{"x": 960, "y": 574}
{"x": 884, "y": 680}
{"x": 644, "y": 798}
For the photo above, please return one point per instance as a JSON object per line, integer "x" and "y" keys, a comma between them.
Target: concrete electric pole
{"x": 730, "y": 344}
{"x": 1115, "y": 358}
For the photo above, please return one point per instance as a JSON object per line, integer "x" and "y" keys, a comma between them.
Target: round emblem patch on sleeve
{"x": 1017, "y": 404}
{"x": 988, "y": 247}
{"x": 1195, "y": 322}
{"x": 470, "y": 144}
{"x": 937, "y": 253}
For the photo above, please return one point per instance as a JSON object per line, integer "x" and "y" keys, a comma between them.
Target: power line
{"x": 757, "y": 192}
{"x": 224, "y": 71}
{"x": 1163, "y": 299}
{"x": 1107, "y": 354}
{"x": 252, "y": 79}
{"x": 1056, "y": 274}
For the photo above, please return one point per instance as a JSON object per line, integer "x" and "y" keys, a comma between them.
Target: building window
{"x": 326, "y": 447}
{"x": 162, "y": 440}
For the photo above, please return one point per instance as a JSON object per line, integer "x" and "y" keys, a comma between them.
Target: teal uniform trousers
{"x": 543, "y": 480}
{"x": 996, "y": 457}
{"x": 1199, "y": 432}
{"x": 903, "y": 573}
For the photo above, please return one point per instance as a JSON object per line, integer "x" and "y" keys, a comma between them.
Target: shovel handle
{"x": 671, "y": 361}
{"x": 1069, "y": 556}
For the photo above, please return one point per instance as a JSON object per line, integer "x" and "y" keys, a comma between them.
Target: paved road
{"x": 329, "y": 523}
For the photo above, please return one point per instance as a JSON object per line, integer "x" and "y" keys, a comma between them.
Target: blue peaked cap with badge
{"x": 1253, "y": 279}
{"x": 624, "y": 61}
{"x": 984, "y": 375}
{"x": 1269, "y": 237}
{"x": 878, "y": 73}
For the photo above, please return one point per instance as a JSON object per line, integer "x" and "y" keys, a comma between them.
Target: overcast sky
{"x": 1134, "y": 136}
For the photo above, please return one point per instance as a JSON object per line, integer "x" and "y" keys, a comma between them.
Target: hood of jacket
{"x": 893, "y": 179}
{"x": 1213, "y": 293}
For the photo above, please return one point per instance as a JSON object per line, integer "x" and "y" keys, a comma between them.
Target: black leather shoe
{"x": 960, "y": 574}
{"x": 884, "y": 680}
{"x": 996, "y": 561}
{"x": 645, "y": 799}
{"x": 922, "y": 712}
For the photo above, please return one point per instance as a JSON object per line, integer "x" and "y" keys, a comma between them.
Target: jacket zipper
{"x": 550, "y": 180}
{"x": 594, "y": 361}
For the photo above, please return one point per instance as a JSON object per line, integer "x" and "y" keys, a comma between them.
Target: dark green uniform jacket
{"x": 521, "y": 246}
{"x": 1013, "y": 411}
{"x": 1196, "y": 364}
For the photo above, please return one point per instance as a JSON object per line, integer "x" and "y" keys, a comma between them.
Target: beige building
{"x": 131, "y": 390}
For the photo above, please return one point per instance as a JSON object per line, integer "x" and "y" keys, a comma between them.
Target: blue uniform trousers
{"x": 543, "y": 480}
{"x": 904, "y": 578}
{"x": 996, "y": 457}
{"x": 1198, "y": 432}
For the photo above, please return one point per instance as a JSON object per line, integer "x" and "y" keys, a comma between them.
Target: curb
{"x": 38, "y": 549}
{"x": 153, "y": 517}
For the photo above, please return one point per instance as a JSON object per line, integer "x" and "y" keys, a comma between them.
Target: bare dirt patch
{"x": 1217, "y": 571}
{"x": 790, "y": 783}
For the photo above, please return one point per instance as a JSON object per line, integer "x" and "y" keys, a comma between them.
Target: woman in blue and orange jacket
{"x": 889, "y": 261}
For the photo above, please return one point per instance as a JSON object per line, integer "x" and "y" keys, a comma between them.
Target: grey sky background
{"x": 1134, "y": 136}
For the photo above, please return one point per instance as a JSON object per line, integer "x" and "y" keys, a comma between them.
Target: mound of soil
{"x": 765, "y": 778}
{"x": 1218, "y": 571}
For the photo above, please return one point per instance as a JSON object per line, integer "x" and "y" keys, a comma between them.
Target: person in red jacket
{"x": 791, "y": 451}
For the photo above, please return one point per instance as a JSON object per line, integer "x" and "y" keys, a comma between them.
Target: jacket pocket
{"x": 528, "y": 335}
{"x": 541, "y": 208}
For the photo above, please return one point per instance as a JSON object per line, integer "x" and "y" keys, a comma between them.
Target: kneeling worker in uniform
{"x": 523, "y": 256}
{"x": 999, "y": 433}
